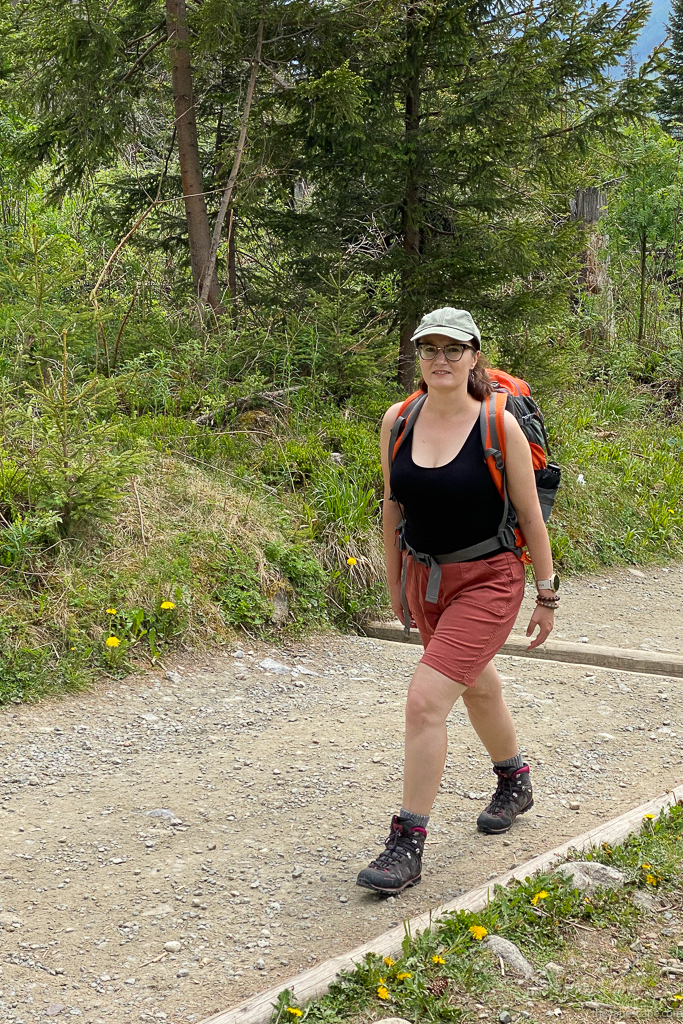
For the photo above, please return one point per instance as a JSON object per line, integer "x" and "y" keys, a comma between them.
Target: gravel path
{"x": 172, "y": 843}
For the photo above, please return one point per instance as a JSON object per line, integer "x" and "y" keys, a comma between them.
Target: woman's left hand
{"x": 544, "y": 618}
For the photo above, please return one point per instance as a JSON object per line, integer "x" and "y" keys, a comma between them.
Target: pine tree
{"x": 670, "y": 99}
{"x": 459, "y": 117}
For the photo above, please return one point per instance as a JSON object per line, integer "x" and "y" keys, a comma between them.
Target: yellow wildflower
{"x": 403, "y": 975}
{"x": 438, "y": 960}
{"x": 295, "y": 1011}
{"x": 111, "y": 611}
{"x": 351, "y": 560}
{"x": 542, "y": 895}
{"x": 677, "y": 998}
{"x": 648, "y": 817}
{"x": 167, "y": 605}
{"x": 478, "y": 931}
{"x": 650, "y": 879}
{"x": 388, "y": 961}
{"x": 646, "y": 867}
{"x": 112, "y": 641}
{"x": 382, "y": 992}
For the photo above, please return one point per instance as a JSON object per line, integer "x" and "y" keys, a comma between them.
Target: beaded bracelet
{"x": 548, "y": 602}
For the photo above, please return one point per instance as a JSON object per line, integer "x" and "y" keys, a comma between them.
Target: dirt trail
{"x": 227, "y": 808}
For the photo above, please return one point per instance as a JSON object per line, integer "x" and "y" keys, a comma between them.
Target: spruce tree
{"x": 670, "y": 99}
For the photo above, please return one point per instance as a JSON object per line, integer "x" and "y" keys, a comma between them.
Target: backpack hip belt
{"x": 434, "y": 563}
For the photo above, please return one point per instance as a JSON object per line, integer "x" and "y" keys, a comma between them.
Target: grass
{"x": 446, "y": 972}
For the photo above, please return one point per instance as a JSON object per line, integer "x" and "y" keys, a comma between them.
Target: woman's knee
{"x": 422, "y": 711}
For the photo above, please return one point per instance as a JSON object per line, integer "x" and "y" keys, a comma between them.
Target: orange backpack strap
{"x": 405, "y": 422}
{"x": 492, "y": 426}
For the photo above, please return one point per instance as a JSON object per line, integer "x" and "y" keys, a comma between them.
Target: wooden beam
{"x": 620, "y": 658}
{"x": 316, "y": 982}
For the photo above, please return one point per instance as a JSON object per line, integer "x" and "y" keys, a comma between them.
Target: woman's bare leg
{"x": 490, "y": 715}
{"x": 431, "y": 696}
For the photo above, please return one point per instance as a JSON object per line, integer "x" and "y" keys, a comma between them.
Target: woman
{"x": 440, "y": 487}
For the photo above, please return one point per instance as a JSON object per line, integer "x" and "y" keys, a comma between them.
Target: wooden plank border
{"x": 620, "y": 658}
{"x": 316, "y": 982}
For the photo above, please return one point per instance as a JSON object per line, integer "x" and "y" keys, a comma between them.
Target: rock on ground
{"x": 588, "y": 874}
{"x": 512, "y": 956}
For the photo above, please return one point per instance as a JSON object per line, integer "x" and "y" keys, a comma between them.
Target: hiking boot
{"x": 401, "y": 863}
{"x": 513, "y": 796}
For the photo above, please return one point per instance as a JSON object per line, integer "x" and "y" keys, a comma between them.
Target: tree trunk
{"x": 411, "y": 208}
{"x": 239, "y": 151}
{"x": 643, "y": 283}
{"x": 198, "y": 231}
{"x": 232, "y": 265}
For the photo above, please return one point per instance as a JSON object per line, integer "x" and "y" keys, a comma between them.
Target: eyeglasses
{"x": 453, "y": 353}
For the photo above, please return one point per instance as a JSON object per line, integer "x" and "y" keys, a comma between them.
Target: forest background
{"x": 221, "y": 222}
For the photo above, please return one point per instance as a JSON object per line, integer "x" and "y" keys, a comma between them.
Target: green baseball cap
{"x": 453, "y": 323}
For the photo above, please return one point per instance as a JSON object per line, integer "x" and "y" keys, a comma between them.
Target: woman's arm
{"x": 522, "y": 490}
{"x": 391, "y": 517}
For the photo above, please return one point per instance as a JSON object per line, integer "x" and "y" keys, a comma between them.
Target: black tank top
{"x": 452, "y": 506}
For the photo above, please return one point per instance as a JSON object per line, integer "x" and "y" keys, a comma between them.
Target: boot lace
{"x": 395, "y": 850}
{"x": 503, "y": 796}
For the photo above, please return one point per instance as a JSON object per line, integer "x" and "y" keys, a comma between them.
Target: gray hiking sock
{"x": 416, "y": 820}
{"x": 512, "y": 763}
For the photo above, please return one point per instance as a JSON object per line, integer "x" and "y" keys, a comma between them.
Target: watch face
{"x": 555, "y": 582}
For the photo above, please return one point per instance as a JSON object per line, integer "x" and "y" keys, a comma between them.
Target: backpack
{"x": 513, "y": 394}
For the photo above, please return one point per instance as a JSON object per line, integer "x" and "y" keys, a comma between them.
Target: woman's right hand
{"x": 396, "y": 605}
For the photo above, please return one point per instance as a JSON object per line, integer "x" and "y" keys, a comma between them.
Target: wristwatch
{"x": 551, "y": 584}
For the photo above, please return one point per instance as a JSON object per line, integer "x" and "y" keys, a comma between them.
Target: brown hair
{"x": 478, "y": 382}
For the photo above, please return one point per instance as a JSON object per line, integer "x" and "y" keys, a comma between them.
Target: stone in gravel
{"x": 173, "y": 946}
{"x": 54, "y": 1009}
{"x": 588, "y": 874}
{"x": 270, "y": 665}
{"x": 297, "y": 871}
{"x": 260, "y": 964}
{"x": 33, "y": 780}
{"x": 174, "y": 677}
{"x": 643, "y": 900}
{"x": 161, "y": 812}
{"x": 574, "y": 805}
{"x": 510, "y": 954}
{"x": 505, "y": 1017}
{"x": 182, "y": 973}
{"x": 395, "y": 1020}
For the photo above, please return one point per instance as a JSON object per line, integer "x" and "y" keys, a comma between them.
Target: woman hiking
{"x": 440, "y": 499}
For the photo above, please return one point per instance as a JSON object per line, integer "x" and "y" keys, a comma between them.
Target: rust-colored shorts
{"x": 477, "y": 607}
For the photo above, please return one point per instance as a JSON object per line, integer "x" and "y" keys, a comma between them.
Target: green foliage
{"x": 628, "y": 504}
{"x": 64, "y": 461}
{"x": 237, "y": 589}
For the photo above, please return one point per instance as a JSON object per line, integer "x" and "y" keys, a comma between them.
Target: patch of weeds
{"x": 651, "y": 859}
{"x": 237, "y": 588}
{"x": 152, "y": 628}
{"x": 307, "y": 579}
{"x": 27, "y": 674}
